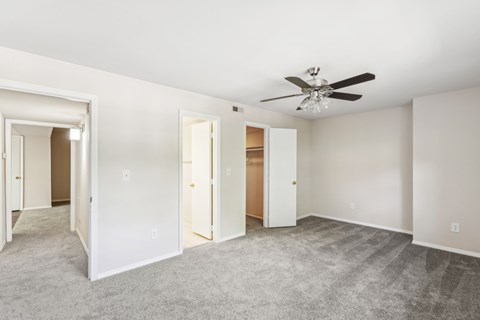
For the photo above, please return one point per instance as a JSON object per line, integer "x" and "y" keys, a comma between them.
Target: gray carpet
{"x": 321, "y": 269}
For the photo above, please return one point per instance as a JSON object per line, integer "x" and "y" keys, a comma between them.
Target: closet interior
{"x": 255, "y": 172}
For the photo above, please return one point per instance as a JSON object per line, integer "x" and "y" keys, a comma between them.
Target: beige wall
{"x": 37, "y": 183}
{"x": 255, "y": 137}
{"x": 138, "y": 130}
{"x": 255, "y": 169}
{"x": 364, "y": 158}
{"x": 60, "y": 146}
{"x": 446, "y": 160}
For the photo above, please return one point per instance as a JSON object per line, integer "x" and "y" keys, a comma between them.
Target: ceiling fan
{"x": 319, "y": 91}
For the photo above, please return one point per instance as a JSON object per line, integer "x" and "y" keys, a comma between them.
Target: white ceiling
{"x": 33, "y": 107}
{"x": 242, "y": 50}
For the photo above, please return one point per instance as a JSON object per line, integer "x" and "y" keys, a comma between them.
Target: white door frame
{"x": 216, "y": 120}
{"x": 266, "y": 129}
{"x": 8, "y": 165}
{"x": 93, "y": 105}
{"x": 73, "y": 183}
{"x": 22, "y": 174}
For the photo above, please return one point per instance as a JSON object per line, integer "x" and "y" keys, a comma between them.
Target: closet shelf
{"x": 255, "y": 149}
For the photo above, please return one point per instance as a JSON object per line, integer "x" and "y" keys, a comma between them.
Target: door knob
{"x": 18, "y": 178}
{"x": 192, "y": 185}
{"x": 294, "y": 182}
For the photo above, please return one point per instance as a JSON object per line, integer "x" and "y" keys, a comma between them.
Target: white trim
{"x": 266, "y": 129}
{"x": 137, "y": 265}
{"x": 41, "y": 124}
{"x": 22, "y": 172}
{"x": 363, "y": 223}
{"x": 73, "y": 182}
{"x": 93, "y": 105}
{"x": 3, "y": 228}
{"x": 84, "y": 245}
{"x": 444, "y": 248}
{"x": 61, "y": 200}
{"x": 36, "y": 208}
{"x": 304, "y": 216}
{"x": 233, "y": 236}
{"x": 216, "y": 120}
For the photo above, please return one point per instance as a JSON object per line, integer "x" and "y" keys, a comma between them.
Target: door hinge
{"x": 4, "y": 156}
{"x": 91, "y": 199}
{"x": 211, "y": 228}
{"x": 211, "y": 135}
{"x": 212, "y": 181}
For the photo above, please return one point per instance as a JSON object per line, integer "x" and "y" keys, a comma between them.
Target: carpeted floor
{"x": 321, "y": 269}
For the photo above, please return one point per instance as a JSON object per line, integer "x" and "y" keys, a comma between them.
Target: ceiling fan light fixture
{"x": 314, "y": 103}
{"x": 319, "y": 90}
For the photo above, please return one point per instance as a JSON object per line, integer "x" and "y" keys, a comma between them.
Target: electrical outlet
{"x": 229, "y": 172}
{"x": 455, "y": 227}
{"x": 352, "y": 205}
{"x": 154, "y": 233}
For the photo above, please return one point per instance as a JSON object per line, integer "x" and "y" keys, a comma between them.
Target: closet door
{"x": 282, "y": 178}
{"x": 202, "y": 179}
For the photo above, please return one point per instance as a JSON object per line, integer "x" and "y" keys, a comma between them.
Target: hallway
{"x": 43, "y": 248}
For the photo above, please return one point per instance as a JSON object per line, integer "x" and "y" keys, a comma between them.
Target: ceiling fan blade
{"x": 298, "y": 82}
{"x": 345, "y": 96}
{"x": 277, "y": 98}
{"x": 352, "y": 81}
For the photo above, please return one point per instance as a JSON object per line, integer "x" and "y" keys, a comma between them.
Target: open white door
{"x": 283, "y": 178}
{"x": 3, "y": 218}
{"x": 202, "y": 179}
{"x": 17, "y": 173}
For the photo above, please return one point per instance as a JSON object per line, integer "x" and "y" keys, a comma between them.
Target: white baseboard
{"x": 304, "y": 216}
{"x": 449, "y": 249}
{"x": 136, "y": 265}
{"x": 363, "y": 223}
{"x": 36, "y": 208}
{"x": 84, "y": 244}
{"x": 61, "y": 200}
{"x": 233, "y": 236}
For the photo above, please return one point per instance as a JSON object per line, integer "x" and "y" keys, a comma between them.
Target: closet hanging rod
{"x": 255, "y": 149}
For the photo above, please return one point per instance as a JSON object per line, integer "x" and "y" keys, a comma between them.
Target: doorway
{"x": 255, "y": 177}
{"x": 270, "y": 176}
{"x": 199, "y": 176}
{"x": 31, "y": 105}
